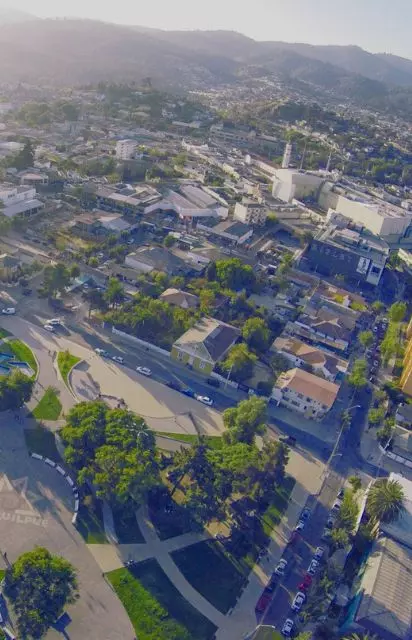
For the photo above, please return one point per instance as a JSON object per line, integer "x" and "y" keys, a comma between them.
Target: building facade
{"x": 125, "y": 149}
{"x": 250, "y": 212}
{"x": 305, "y": 393}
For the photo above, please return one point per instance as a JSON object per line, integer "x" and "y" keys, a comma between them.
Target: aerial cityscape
{"x": 205, "y": 335}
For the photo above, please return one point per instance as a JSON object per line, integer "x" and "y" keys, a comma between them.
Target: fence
{"x": 223, "y": 380}
{"x": 132, "y": 339}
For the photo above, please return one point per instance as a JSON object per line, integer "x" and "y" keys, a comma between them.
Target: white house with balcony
{"x": 19, "y": 200}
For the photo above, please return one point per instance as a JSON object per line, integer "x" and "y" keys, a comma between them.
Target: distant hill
{"x": 14, "y": 16}
{"x": 78, "y": 51}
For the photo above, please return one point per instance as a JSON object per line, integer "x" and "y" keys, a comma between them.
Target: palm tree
{"x": 361, "y": 636}
{"x": 385, "y": 501}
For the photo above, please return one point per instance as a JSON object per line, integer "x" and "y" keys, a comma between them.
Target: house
{"x": 147, "y": 259}
{"x": 33, "y": 178}
{"x": 276, "y": 306}
{"x": 95, "y": 225}
{"x": 180, "y": 298}
{"x": 231, "y": 230}
{"x": 19, "y": 200}
{"x": 385, "y": 594}
{"x": 9, "y": 264}
{"x": 299, "y": 354}
{"x": 205, "y": 344}
{"x": 305, "y": 393}
{"x": 326, "y": 326}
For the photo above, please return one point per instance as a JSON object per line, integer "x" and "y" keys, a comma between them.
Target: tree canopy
{"x": 232, "y": 274}
{"x": 239, "y": 362}
{"x": 15, "y": 390}
{"x": 386, "y": 500}
{"x": 366, "y": 338}
{"x": 40, "y": 585}
{"x": 55, "y": 279}
{"x": 113, "y": 450}
{"x": 357, "y": 377}
{"x": 245, "y": 421}
{"x": 397, "y": 311}
{"x": 256, "y": 334}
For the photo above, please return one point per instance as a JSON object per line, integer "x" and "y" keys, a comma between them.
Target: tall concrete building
{"x": 406, "y": 377}
{"x": 286, "y": 156}
{"x": 125, "y": 149}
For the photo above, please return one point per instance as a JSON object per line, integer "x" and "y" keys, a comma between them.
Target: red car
{"x": 305, "y": 584}
{"x": 263, "y": 602}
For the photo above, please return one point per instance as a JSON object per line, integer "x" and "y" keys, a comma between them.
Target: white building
{"x": 125, "y": 149}
{"x": 305, "y": 393}
{"x": 291, "y": 184}
{"x": 250, "y": 212}
{"x": 19, "y": 200}
{"x": 381, "y": 218}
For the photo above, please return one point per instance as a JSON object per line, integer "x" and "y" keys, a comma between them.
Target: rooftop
{"x": 309, "y": 385}
{"x": 401, "y": 529}
{"x": 386, "y": 605}
{"x": 362, "y": 243}
{"x": 309, "y": 354}
{"x": 216, "y": 336}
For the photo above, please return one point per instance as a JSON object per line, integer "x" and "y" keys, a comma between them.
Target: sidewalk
{"x": 243, "y": 617}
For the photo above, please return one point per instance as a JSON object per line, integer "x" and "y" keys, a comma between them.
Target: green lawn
{"x": 126, "y": 526}
{"x": 218, "y": 574}
{"x": 49, "y": 407}
{"x": 65, "y": 361}
{"x": 22, "y": 352}
{"x": 169, "y": 524}
{"x": 90, "y": 524}
{"x": 40, "y": 440}
{"x": 2, "y": 574}
{"x": 214, "y": 442}
{"x": 4, "y": 333}
{"x": 155, "y": 607}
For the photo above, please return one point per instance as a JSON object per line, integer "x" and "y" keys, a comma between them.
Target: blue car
{"x": 189, "y": 392}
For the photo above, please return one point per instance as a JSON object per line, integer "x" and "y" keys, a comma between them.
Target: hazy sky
{"x": 376, "y": 25}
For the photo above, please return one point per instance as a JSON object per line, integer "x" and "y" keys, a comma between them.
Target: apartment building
{"x": 300, "y": 354}
{"x": 305, "y": 393}
{"x": 19, "y": 200}
{"x": 250, "y": 212}
{"x": 125, "y": 149}
{"x": 406, "y": 377}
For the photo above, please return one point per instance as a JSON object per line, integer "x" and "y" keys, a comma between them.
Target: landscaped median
{"x": 155, "y": 607}
{"x": 22, "y": 353}
{"x": 49, "y": 407}
{"x": 65, "y": 362}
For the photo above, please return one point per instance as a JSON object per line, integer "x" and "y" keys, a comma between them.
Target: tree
{"x": 397, "y": 311}
{"x": 113, "y": 450}
{"x": 93, "y": 262}
{"x": 377, "y": 306}
{"x": 25, "y": 158}
{"x": 358, "y": 378}
{"x": 15, "y": 390}
{"x": 279, "y": 363}
{"x": 95, "y": 298}
{"x": 40, "y": 585}
{"x": 385, "y": 502}
{"x": 55, "y": 279}
{"x": 348, "y": 513}
{"x": 114, "y": 293}
{"x": 375, "y": 416}
{"x": 256, "y": 334}
{"x": 74, "y": 271}
{"x": 239, "y": 362}
{"x": 169, "y": 241}
{"x": 356, "y": 483}
{"x": 207, "y": 300}
{"x": 245, "y": 421}
{"x": 234, "y": 274}
{"x": 339, "y": 538}
{"x": 366, "y": 339}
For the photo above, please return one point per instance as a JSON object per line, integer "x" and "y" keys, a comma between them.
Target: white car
{"x": 300, "y": 526}
{"x": 118, "y": 359}
{"x": 281, "y": 567}
{"x": 319, "y": 553}
{"x": 54, "y": 322}
{"x": 287, "y": 627}
{"x": 204, "y": 399}
{"x": 9, "y": 311}
{"x": 298, "y": 600}
{"x": 312, "y": 568}
{"x": 145, "y": 371}
{"x": 101, "y": 352}
{"x": 48, "y": 327}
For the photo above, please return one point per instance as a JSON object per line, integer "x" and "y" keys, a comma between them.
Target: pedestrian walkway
{"x": 242, "y": 618}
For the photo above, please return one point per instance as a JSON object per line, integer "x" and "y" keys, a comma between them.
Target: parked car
{"x": 54, "y": 322}
{"x": 173, "y": 385}
{"x": 341, "y": 493}
{"x": 291, "y": 440}
{"x": 312, "y": 568}
{"x": 305, "y": 515}
{"x": 204, "y": 399}
{"x": 298, "y": 601}
{"x": 287, "y": 627}
{"x": 294, "y": 537}
{"x": 300, "y": 526}
{"x": 281, "y": 567}
{"x": 101, "y": 352}
{"x": 319, "y": 553}
{"x": 48, "y": 327}
{"x": 9, "y": 311}
{"x": 336, "y": 505}
{"x": 118, "y": 359}
{"x": 263, "y": 601}
{"x": 330, "y": 522}
{"x": 213, "y": 382}
{"x": 306, "y": 582}
{"x": 188, "y": 392}
{"x": 27, "y": 292}
{"x": 326, "y": 535}
{"x": 145, "y": 371}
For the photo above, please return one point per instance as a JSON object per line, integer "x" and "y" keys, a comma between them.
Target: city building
{"x": 385, "y": 593}
{"x": 324, "y": 325}
{"x": 232, "y": 230}
{"x": 291, "y": 184}
{"x": 125, "y": 149}
{"x": 180, "y": 298}
{"x": 123, "y": 198}
{"x": 301, "y": 354}
{"x": 305, "y": 393}
{"x": 205, "y": 344}
{"x": 19, "y": 201}
{"x": 147, "y": 259}
{"x": 348, "y": 253}
{"x": 191, "y": 204}
{"x": 250, "y": 212}
{"x": 98, "y": 224}
{"x": 406, "y": 377}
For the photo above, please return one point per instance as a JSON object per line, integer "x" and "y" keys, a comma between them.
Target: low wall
{"x": 224, "y": 381}
{"x": 133, "y": 340}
